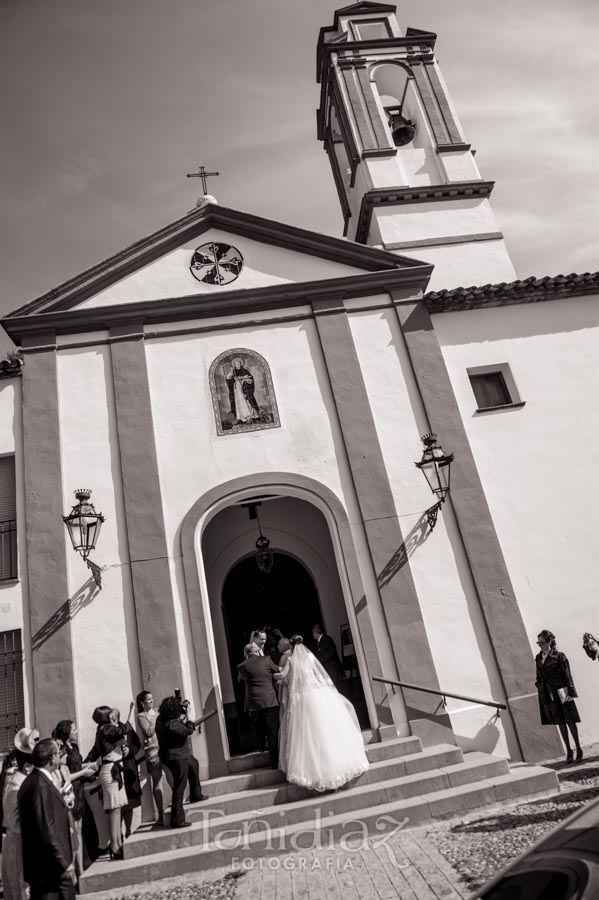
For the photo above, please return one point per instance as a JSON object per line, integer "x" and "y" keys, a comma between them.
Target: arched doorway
{"x": 285, "y": 600}
{"x": 304, "y": 587}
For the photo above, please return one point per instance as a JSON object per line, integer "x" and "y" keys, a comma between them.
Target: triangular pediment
{"x": 365, "y": 7}
{"x": 211, "y": 251}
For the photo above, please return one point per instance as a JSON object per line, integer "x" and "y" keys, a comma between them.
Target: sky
{"x": 105, "y": 106}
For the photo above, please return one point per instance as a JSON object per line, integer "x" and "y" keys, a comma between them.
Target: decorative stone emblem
{"x": 243, "y": 396}
{"x": 216, "y": 263}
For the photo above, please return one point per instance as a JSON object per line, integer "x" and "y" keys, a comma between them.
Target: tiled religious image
{"x": 243, "y": 396}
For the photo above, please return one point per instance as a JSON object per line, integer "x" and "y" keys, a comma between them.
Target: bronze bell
{"x": 402, "y": 129}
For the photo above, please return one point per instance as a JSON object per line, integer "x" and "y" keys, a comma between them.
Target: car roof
{"x": 580, "y": 832}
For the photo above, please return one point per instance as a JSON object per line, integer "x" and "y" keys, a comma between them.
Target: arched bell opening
{"x": 391, "y": 83}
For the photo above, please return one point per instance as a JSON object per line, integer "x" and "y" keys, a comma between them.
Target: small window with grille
{"x": 494, "y": 387}
{"x": 12, "y": 704}
{"x": 8, "y": 520}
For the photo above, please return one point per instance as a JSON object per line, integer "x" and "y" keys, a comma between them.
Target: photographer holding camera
{"x": 173, "y": 729}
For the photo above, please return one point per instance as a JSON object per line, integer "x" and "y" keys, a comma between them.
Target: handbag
{"x": 66, "y": 789}
{"x": 563, "y": 695}
{"x": 590, "y": 645}
{"x": 116, "y": 770}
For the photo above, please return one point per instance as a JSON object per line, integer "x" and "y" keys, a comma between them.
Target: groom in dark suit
{"x": 326, "y": 654}
{"x": 45, "y": 829}
{"x": 262, "y": 704}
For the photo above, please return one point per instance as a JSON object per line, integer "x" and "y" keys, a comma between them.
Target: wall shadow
{"x": 485, "y": 740}
{"x": 65, "y": 613}
{"x": 417, "y": 536}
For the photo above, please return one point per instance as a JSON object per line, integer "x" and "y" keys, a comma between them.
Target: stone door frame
{"x": 215, "y": 753}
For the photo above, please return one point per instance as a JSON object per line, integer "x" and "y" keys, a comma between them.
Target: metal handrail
{"x": 443, "y": 694}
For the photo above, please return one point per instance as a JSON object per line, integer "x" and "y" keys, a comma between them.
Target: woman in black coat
{"x": 131, "y": 775}
{"x": 556, "y": 692}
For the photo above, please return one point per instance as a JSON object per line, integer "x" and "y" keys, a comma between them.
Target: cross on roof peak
{"x": 203, "y": 174}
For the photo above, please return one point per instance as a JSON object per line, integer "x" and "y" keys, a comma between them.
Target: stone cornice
{"x": 192, "y": 225}
{"x": 456, "y": 190}
{"x": 452, "y": 148}
{"x": 417, "y": 46}
{"x": 529, "y": 290}
{"x": 229, "y": 303}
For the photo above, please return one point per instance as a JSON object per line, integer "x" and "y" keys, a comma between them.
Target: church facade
{"x": 231, "y": 378}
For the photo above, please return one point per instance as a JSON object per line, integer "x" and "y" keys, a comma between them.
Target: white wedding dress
{"x": 323, "y": 747}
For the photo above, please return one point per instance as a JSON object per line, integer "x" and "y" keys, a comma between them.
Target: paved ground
{"x": 441, "y": 863}
{"x": 480, "y": 844}
{"x": 408, "y": 867}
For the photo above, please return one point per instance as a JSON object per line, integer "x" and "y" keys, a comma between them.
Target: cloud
{"x": 78, "y": 173}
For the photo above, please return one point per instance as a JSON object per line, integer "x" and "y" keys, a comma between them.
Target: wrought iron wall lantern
{"x": 436, "y": 468}
{"x": 84, "y": 525}
{"x": 264, "y": 555}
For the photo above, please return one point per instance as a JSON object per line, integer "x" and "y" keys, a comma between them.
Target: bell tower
{"x": 406, "y": 178}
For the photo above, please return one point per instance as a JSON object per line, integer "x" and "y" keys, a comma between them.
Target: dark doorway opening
{"x": 285, "y": 600}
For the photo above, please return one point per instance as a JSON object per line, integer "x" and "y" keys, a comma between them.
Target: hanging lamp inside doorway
{"x": 264, "y": 555}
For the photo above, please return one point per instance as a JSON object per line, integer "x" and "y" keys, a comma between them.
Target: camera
{"x": 183, "y": 704}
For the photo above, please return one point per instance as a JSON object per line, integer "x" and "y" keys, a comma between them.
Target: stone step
{"x": 257, "y": 762}
{"x": 405, "y": 746}
{"x": 277, "y": 791}
{"x": 354, "y": 825}
{"x": 255, "y": 810}
{"x": 392, "y": 754}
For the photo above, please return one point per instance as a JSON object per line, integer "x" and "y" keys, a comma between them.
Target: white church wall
{"x": 459, "y": 165}
{"x": 537, "y": 463}
{"x": 459, "y": 263}
{"x": 11, "y": 592}
{"x": 433, "y": 219}
{"x": 105, "y": 655}
{"x": 470, "y": 263}
{"x": 413, "y": 168}
{"x": 459, "y": 642}
{"x": 193, "y": 326}
{"x": 363, "y": 184}
{"x": 203, "y": 460}
{"x": 193, "y": 459}
{"x": 14, "y": 594}
{"x": 264, "y": 265}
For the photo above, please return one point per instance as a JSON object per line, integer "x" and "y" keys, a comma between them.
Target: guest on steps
{"x": 65, "y": 734}
{"x": 110, "y": 749}
{"x": 146, "y": 720}
{"x": 174, "y": 729}
{"x": 47, "y": 841}
{"x": 13, "y": 883}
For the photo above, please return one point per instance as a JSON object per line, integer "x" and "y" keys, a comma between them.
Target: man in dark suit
{"x": 45, "y": 829}
{"x": 263, "y": 707}
{"x": 326, "y": 654}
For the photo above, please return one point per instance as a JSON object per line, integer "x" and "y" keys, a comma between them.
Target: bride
{"x": 323, "y": 747}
